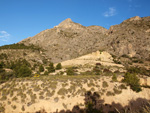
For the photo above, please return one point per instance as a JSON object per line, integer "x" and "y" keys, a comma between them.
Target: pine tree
{"x": 58, "y": 66}
{"x": 51, "y": 68}
{"x": 23, "y": 71}
{"x": 41, "y": 68}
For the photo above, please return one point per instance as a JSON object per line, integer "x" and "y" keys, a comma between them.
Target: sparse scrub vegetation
{"x": 3, "y": 98}
{"x": 117, "y": 91}
{"x": 62, "y": 91}
{"x": 122, "y": 86}
{"x": 13, "y": 106}
{"x": 64, "y": 105}
{"x": 105, "y": 84}
{"x": 3, "y": 56}
{"x": 41, "y": 97}
{"x": 139, "y": 70}
{"x": 2, "y": 108}
{"x": 23, "y": 108}
{"x": 109, "y": 93}
{"x": 20, "y": 46}
{"x": 37, "y": 88}
{"x": 14, "y": 98}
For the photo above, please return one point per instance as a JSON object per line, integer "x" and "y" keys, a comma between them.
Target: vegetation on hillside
{"x": 139, "y": 70}
{"x": 20, "y": 46}
{"x": 133, "y": 81}
{"x": 18, "y": 68}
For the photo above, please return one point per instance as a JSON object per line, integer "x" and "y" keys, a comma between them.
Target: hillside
{"x": 70, "y": 40}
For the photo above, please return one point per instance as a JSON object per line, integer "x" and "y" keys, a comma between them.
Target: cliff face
{"x": 131, "y": 37}
{"x": 69, "y": 40}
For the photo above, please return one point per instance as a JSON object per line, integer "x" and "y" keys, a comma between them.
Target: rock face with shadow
{"x": 131, "y": 37}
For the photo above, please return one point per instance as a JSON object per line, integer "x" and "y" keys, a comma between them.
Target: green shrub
{"x": 62, "y": 91}
{"x": 46, "y": 73}
{"x": 1, "y": 65}
{"x": 107, "y": 72}
{"x": 36, "y": 88}
{"x": 41, "y": 68}
{"x": 3, "y": 98}
{"x": 13, "y": 106}
{"x": 24, "y": 71}
{"x": 23, "y": 108}
{"x": 109, "y": 93}
{"x": 2, "y": 108}
{"x": 58, "y": 66}
{"x": 117, "y": 91}
{"x": 97, "y": 70}
{"x": 4, "y": 76}
{"x": 70, "y": 71}
{"x": 138, "y": 70}
{"x": 3, "y": 56}
{"x": 14, "y": 98}
{"x": 122, "y": 86}
{"x": 51, "y": 68}
{"x": 114, "y": 78}
{"x": 132, "y": 80}
{"x": 125, "y": 56}
{"x": 21, "y": 68}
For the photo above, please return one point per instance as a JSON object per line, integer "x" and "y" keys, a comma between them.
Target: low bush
{"x": 117, "y": 91}
{"x": 70, "y": 71}
{"x": 122, "y": 86}
{"x": 114, "y": 78}
{"x": 41, "y": 68}
{"x": 51, "y": 68}
{"x": 105, "y": 84}
{"x": 62, "y": 91}
{"x": 109, "y": 93}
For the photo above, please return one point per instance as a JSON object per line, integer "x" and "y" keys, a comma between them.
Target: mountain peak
{"x": 67, "y": 20}
{"x": 135, "y": 18}
{"x": 66, "y": 23}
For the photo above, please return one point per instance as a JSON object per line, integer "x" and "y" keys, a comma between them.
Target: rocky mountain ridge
{"x": 70, "y": 40}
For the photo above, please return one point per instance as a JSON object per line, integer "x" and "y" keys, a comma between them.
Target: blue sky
{"x": 20, "y": 19}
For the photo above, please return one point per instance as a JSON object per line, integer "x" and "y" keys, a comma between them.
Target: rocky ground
{"x": 56, "y": 93}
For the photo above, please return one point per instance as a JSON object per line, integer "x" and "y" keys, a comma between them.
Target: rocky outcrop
{"x": 145, "y": 81}
{"x": 131, "y": 38}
